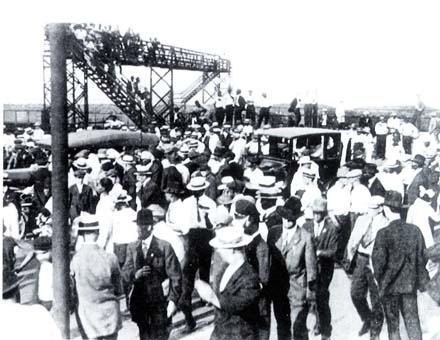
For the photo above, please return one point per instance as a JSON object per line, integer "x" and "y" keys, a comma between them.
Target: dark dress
{"x": 239, "y": 314}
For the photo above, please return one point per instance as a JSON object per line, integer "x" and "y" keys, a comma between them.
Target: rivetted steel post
{"x": 61, "y": 230}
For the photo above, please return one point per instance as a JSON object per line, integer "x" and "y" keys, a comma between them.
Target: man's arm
{"x": 174, "y": 273}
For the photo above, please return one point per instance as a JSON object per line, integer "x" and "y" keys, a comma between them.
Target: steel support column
{"x": 61, "y": 230}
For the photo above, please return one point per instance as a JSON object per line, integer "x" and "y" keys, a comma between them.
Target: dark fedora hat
{"x": 291, "y": 209}
{"x": 144, "y": 217}
{"x": 419, "y": 159}
{"x": 370, "y": 167}
{"x": 393, "y": 199}
{"x": 174, "y": 187}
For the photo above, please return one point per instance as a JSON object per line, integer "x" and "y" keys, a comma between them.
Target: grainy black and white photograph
{"x": 221, "y": 170}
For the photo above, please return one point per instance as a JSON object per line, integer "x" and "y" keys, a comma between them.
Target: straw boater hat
{"x": 81, "y": 164}
{"x": 128, "y": 159}
{"x": 143, "y": 170}
{"x": 123, "y": 197}
{"x": 88, "y": 222}
{"x": 197, "y": 184}
{"x": 269, "y": 188}
{"x": 112, "y": 154}
{"x": 220, "y": 217}
{"x": 147, "y": 156}
{"x": 229, "y": 238}
{"x": 342, "y": 172}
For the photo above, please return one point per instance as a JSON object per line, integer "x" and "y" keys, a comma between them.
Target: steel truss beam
{"x": 162, "y": 93}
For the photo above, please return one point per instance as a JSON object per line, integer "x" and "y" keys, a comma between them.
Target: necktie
{"x": 144, "y": 249}
{"x": 368, "y": 236}
{"x": 198, "y": 211}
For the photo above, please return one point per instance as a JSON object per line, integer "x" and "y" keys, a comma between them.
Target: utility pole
{"x": 61, "y": 230}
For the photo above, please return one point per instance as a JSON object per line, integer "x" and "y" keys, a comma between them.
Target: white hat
{"x": 230, "y": 237}
{"x": 268, "y": 186}
{"x": 304, "y": 160}
{"x": 81, "y": 164}
{"x": 88, "y": 222}
{"x": 376, "y": 201}
{"x": 122, "y": 197}
{"x": 197, "y": 183}
{"x": 128, "y": 159}
{"x": 354, "y": 173}
{"x": 112, "y": 154}
{"x": 147, "y": 155}
{"x": 225, "y": 181}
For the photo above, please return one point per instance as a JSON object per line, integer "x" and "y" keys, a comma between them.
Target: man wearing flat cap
{"x": 325, "y": 233}
{"x": 293, "y": 273}
{"x": 151, "y": 261}
{"x": 399, "y": 261}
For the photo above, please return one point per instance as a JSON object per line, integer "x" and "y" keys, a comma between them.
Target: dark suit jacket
{"x": 129, "y": 184}
{"x": 258, "y": 255}
{"x": 433, "y": 287}
{"x": 327, "y": 243}
{"x": 300, "y": 262}
{"x": 412, "y": 192}
{"x": 80, "y": 201}
{"x": 399, "y": 259}
{"x": 150, "y": 193}
{"x": 148, "y": 291}
{"x": 239, "y": 315}
{"x": 376, "y": 188}
{"x": 232, "y": 169}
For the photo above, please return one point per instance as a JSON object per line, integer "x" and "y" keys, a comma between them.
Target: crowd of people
{"x": 199, "y": 212}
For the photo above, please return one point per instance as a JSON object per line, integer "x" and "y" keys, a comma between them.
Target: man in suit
{"x": 399, "y": 260}
{"x": 415, "y": 179}
{"x": 148, "y": 192}
{"x": 80, "y": 194}
{"x": 150, "y": 263}
{"x": 359, "y": 249}
{"x": 370, "y": 180}
{"x": 293, "y": 271}
{"x": 258, "y": 255}
{"x": 325, "y": 233}
{"x": 240, "y": 105}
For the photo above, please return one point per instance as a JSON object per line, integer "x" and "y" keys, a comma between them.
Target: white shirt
{"x": 45, "y": 286}
{"x": 408, "y": 129}
{"x": 229, "y": 272}
{"x": 146, "y": 244}
{"x": 381, "y": 128}
{"x": 124, "y": 226}
{"x": 190, "y": 207}
{"x": 11, "y": 221}
{"x": 237, "y": 147}
{"x": 288, "y": 234}
{"x": 360, "y": 198}
{"x": 419, "y": 214}
{"x": 104, "y": 211}
{"x": 228, "y": 99}
{"x": 164, "y": 232}
{"x": 214, "y": 140}
{"x": 255, "y": 176}
{"x": 263, "y": 102}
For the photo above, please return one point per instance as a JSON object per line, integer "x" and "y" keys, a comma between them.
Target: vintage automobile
{"x": 91, "y": 140}
{"x": 286, "y": 144}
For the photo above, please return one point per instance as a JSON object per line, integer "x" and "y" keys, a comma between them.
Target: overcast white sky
{"x": 364, "y": 52}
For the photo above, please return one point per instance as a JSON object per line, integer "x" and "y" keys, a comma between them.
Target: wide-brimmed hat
{"x": 220, "y": 217}
{"x": 268, "y": 187}
{"x": 102, "y": 153}
{"x": 354, "y": 173}
{"x": 146, "y": 156}
{"x": 419, "y": 159}
{"x": 291, "y": 209}
{"x": 81, "y": 164}
{"x": 309, "y": 173}
{"x": 144, "y": 217}
{"x": 376, "y": 201}
{"x": 391, "y": 164}
{"x": 370, "y": 167}
{"x": 225, "y": 181}
{"x": 304, "y": 160}
{"x": 393, "y": 199}
{"x": 230, "y": 237}
{"x": 319, "y": 205}
{"x": 144, "y": 170}
{"x": 342, "y": 172}
{"x": 122, "y": 197}
{"x": 88, "y": 222}
{"x": 197, "y": 183}
{"x": 128, "y": 159}
{"x": 112, "y": 154}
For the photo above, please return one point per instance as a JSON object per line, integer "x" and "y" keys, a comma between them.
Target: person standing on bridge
{"x": 264, "y": 115}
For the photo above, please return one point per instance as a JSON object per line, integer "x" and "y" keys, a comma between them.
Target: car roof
{"x": 292, "y": 132}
